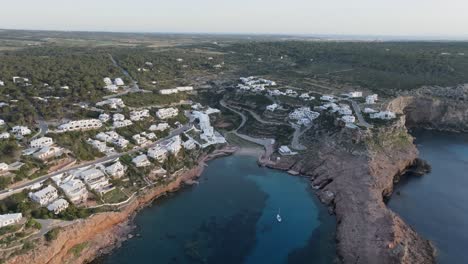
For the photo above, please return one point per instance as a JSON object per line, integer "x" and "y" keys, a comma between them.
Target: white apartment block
{"x": 124, "y": 123}
{"x": 41, "y": 142}
{"x": 116, "y": 170}
{"x": 21, "y": 130}
{"x": 75, "y": 190}
{"x": 10, "y": 219}
{"x": 58, "y": 206}
{"x": 166, "y": 113}
{"x": 139, "y": 115}
{"x": 44, "y": 196}
{"x": 85, "y": 124}
{"x": 141, "y": 161}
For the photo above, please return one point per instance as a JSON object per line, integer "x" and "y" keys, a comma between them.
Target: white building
{"x": 272, "y": 107}
{"x": 118, "y": 81}
{"x": 285, "y": 150}
{"x": 124, "y": 123}
{"x": 139, "y": 140}
{"x": 4, "y": 135}
{"x": 20, "y": 130}
{"x": 368, "y": 110}
{"x": 58, "y": 206}
{"x": 116, "y": 170}
{"x": 149, "y": 136}
{"x": 189, "y": 144}
{"x": 44, "y": 196}
{"x": 165, "y": 113}
{"x": 100, "y": 146}
{"x": 3, "y": 167}
{"x": 354, "y": 94}
{"x": 327, "y": 98}
{"x": 370, "y": 99}
{"x": 348, "y": 119}
{"x": 141, "y": 161}
{"x": 168, "y": 91}
{"x": 113, "y": 103}
{"x": 385, "y": 115}
{"x": 107, "y": 81}
{"x": 2, "y": 122}
{"x": 112, "y": 88}
{"x": 10, "y": 219}
{"x": 104, "y": 117}
{"x": 121, "y": 142}
{"x": 48, "y": 152}
{"x": 2, "y": 83}
{"x": 94, "y": 178}
{"x": 159, "y": 127}
{"x": 139, "y": 115}
{"x": 184, "y": 88}
{"x": 304, "y": 115}
{"x": 118, "y": 117}
{"x": 75, "y": 190}
{"x": 173, "y": 145}
{"x": 305, "y": 96}
{"x": 41, "y": 142}
{"x": 85, "y": 124}
{"x": 158, "y": 153}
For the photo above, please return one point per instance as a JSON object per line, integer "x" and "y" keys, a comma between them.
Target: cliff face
{"x": 353, "y": 178}
{"x": 432, "y": 112}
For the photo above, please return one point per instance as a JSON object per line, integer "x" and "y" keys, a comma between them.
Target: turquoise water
{"x": 230, "y": 217}
{"x": 436, "y": 204}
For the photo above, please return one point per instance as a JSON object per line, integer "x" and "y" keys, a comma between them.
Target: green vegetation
{"x": 8, "y": 150}
{"x": 153, "y": 98}
{"x": 76, "y": 142}
{"x": 114, "y": 196}
{"x": 77, "y": 249}
{"x": 52, "y": 234}
{"x": 33, "y": 223}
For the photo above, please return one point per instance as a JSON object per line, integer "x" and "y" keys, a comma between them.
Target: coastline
{"x": 103, "y": 232}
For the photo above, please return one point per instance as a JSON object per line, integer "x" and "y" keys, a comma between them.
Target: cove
{"x": 230, "y": 217}
{"x": 436, "y": 204}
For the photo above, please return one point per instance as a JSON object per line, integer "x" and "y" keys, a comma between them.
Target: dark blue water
{"x": 436, "y": 205}
{"x": 230, "y": 217}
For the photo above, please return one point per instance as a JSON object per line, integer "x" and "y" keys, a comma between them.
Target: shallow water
{"x": 436, "y": 204}
{"x": 230, "y": 217}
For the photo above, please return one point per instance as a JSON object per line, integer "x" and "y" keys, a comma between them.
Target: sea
{"x": 436, "y": 204}
{"x": 230, "y": 217}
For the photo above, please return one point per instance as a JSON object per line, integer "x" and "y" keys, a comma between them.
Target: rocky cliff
{"x": 353, "y": 171}
{"x": 431, "y": 112}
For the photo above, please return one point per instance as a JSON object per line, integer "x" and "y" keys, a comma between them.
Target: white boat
{"x": 278, "y": 216}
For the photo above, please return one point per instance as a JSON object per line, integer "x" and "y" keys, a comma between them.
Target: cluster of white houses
{"x": 166, "y": 113}
{"x": 254, "y": 84}
{"x": 176, "y": 90}
{"x": 113, "y": 103}
{"x": 77, "y": 125}
{"x": 113, "y": 86}
{"x": 303, "y": 115}
{"x": 49, "y": 197}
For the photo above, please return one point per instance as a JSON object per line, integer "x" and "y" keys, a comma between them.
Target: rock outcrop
{"x": 430, "y": 112}
{"x": 353, "y": 172}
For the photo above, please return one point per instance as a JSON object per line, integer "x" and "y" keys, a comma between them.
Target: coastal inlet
{"x": 230, "y": 217}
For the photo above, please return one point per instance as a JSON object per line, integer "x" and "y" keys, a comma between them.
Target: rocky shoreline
{"x": 104, "y": 231}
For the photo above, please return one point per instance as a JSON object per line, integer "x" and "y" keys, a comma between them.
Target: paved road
{"x": 357, "y": 110}
{"x": 26, "y": 185}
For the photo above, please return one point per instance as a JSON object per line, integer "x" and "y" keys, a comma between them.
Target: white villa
{"x": 46, "y": 153}
{"x": 304, "y": 115}
{"x": 41, "y": 142}
{"x": 113, "y": 103}
{"x": 348, "y": 119}
{"x": 116, "y": 170}
{"x": 118, "y": 81}
{"x": 354, "y": 94}
{"x": 370, "y": 99}
{"x": 20, "y": 130}
{"x": 159, "y": 127}
{"x": 75, "y": 190}
{"x": 104, "y": 117}
{"x": 158, "y": 153}
{"x": 94, "y": 178}
{"x": 272, "y": 107}
{"x": 166, "y": 113}
{"x": 141, "y": 161}
{"x": 4, "y": 135}
{"x": 139, "y": 115}
{"x": 139, "y": 140}
{"x": 385, "y": 115}
{"x": 58, "y": 206}
{"x": 85, "y": 124}
{"x": 285, "y": 151}
{"x": 118, "y": 117}
{"x": 10, "y": 219}
{"x": 44, "y": 196}
{"x": 107, "y": 81}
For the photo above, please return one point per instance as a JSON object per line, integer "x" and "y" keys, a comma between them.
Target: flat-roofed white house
{"x": 119, "y": 82}
{"x": 21, "y": 130}
{"x": 285, "y": 151}
{"x": 141, "y": 161}
{"x": 370, "y": 99}
{"x": 44, "y": 196}
{"x": 385, "y": 115}
{"x": 121, "y": 142}
{"x": 139, "y": 115}
{"x": 139, "y": 140}
{"x": 165, "y": 113}
{"x": 41, "y": 142}
{"x": 10, "y": 219}
{"x": 118, "y": 117}
{"x": 75, "y": 190}
{"x": 58, "y": 206}
{"x": 107, "y": 81}
{"x": 159, "y": 127}
{"x": 124, "y": 123}
{"x": 4, "y": 135}
{"x": 168, "y": 91}
{"x": 348, "y": 119}
{"x": 116, "y": 170}
{"x": 94, "y": 178}
{"x": 355, "y": 94}
{"x": 272, "y": 107}
{"x": 46, "y": 153}
{"x": 85, "y": 124}
{"x": 158, "y": 153}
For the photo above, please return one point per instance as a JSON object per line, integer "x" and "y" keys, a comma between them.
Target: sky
{"x": 413, "y": 18}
